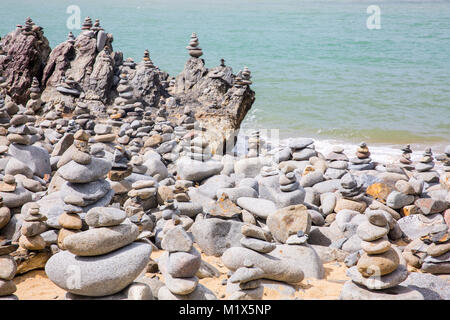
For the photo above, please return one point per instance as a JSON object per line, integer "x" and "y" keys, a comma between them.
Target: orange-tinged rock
{"x": 379, "y": 191}
{"x": 411, "y": 209}
{"x": 116, "y": 116}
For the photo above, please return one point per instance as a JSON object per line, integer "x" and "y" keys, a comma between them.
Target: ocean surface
{"x": 318, "y": 71}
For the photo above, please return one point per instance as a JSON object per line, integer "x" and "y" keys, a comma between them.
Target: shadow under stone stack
{"x": 380, "y": 269}
{"x": 103, "y": 260}
{"x": 8, "y": 268}
{"x": 362, "y": 160}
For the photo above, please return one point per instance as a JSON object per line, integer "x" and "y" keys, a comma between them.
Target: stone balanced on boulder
{"x": 32, "y": 227}
{"x": 381, "y": 268}
{"x": 103, "y": 260}
{"x": 194, "y": 50}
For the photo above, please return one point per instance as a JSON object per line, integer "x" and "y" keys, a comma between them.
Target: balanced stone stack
{"x": 426, "y": 162}
{"x": 85, "y": 185}
{"x": 126, "y": 105}
{"x": 5, "y": 212}
{"x": 197, "y": 165}
{"x": 69, "y": 86}
{"x": 179, "y": 265}
{"x": 183, "y": 200}
{"x": 120, "y": 168}
{"x": 32, "y": 228}
{"x": 143, "y": 193}
{"x": 27, "y": 29}
{"x": 302, "y": 149}
{"x": 337, "y": 163}
{"x": 245, "y": 283}
{"x": 188, "y": 119}
{"x": 103, "y": 133}
{"x": 8, "y": 268}
{"x": 351, "y": 193}
{"x": 242, "y": 79}
{"x": 146, "y": 59}
{"x": 70, "y": 223}
{"x": 381, "y": 268}
{"x": 19, "y": 132}
{"x": 71, "y": 38}
{"x": 35, "y": 102}
{"x": 437, "y": 260}
{"x": 255, "y": 145}
{"x": 405, "y": 159}
{"x": 103, "y": 260}
{"x": 194, "y": 50}
{"x": 362, "y": 160}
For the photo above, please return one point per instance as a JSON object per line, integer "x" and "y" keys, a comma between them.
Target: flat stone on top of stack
{"x": 380, "y": 267}
{"x": 302, "y": 149}
{"x": 104, "y": 257}
{"x": 194, "y": 50}
{"x": 8, "y": 268}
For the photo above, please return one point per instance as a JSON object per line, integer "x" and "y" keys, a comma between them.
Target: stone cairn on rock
{"x": 430, "y": 253}
{"x": 426, "y": 163}
{"x": 71, "y": 38}
{"x": 27, "y": 29}
{"x": 104, "y": 259}
{"x": 69, "y": 86}
{"x": 187, "y": 121}
{"x": 405, "y": 159}
{"x": 70, "y": 222}
{"x": 380, "y": 269}
{"x": 120, "y": 167}
{"x": 8, "y": 268}
{"x": 242, "y": 79}
{"x": 302, "y": 149}
{"x": 194, "y": 50}
{"x": 146, "y": 59}
{"x": 19, "y": 132}
{"x": 245, "y": 282}
{"x": 32, "y": 228}
{"x": 362, "y": 161}
{"x": 126, "y": 105}
{"x": 337, "y": 163}
{"x": 35, "y": 102}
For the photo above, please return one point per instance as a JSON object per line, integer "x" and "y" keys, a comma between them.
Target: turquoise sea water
{"x": 317, "y": 69}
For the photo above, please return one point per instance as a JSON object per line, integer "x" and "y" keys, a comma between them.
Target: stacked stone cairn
{"x": 381, "y": 268}
{"x": 362, "y": 160}
{"x": 302, "y": 149}
{"x": 187, "y": 121}
{"x": 32, "y": 228}
{"x": 245, "y": 282}
{"x": 120, "y": 167}
{"x": 8, "y": 268}
{"x": 146, "y": 59}
{"x": 194, "y": 50}
{"x": 337, "y": 163}
{"x": 183, "y": 200}
{"x": 126, "y": 105}
{"x": 69, "y": 86}
{"x": 405, "y": 159}
{"x": 242, "y": 79}
{"x": 103, "y": 260}
{"x": 27, "y": 29}
{"x": 426, "y": 163}
{"x": 35, "y": 102}
{"x": 179, "y": 265}
{"x": 70, "y": 223}
{"x": 19, "y": 132}
{"x": 255, "y": 145}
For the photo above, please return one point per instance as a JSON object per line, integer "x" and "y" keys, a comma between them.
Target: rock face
{"x": 203, "y": 88}
{"x": 27, "y": 51}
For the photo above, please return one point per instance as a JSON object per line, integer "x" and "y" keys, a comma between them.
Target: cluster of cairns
{"x": 379, "y": 270}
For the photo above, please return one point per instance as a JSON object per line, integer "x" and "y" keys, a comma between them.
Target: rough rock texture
{"x": 29, "y": 55}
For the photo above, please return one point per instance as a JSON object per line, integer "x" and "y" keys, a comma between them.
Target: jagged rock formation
{"x": 26, "y": 52}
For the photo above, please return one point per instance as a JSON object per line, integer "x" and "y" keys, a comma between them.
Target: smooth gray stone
{"x": 369, "y": 232}
{"x": 311, "y": 179}
{"x": 430, "y": 286}
{"x": 200, "y": 293}
{"x": 236, "y": 193}
{"x": 175, "y": 285}
{"x": 246, "y": 274}
{"x": 87, "y": 193}
{"x": 214, "y": 236}
{"x": 327, "y": 202}
{"x": 422, "y": 167}
{"x": 101, "y": 275}
{"x": 156, "y": 169}
{"x": 15, "y": 166}
{"x": 353, "y": 291}
{"x": 279, "y": 269}
{"x": 327, "y": 186}
{"x": 340, "y": 165}
{"x": 282, "y": 155}
{"x": 352, "y": 244}
{"x": 261, "y": 208}
{"x": 77, "y": 173}
{"x": 16, "y": 198}
{"x": 36, "y": 158}
{"x": 197, "y": 171}
{"x": 316, "y": 218}
{"x": 135, "y": 291}
{"x": 363, "y": 166}
{"x": 352, "y": 259}
{"x": 324, "y": 236}
{"x": 300, "y": 143}
{"x": 12, "y": 230}
{"x": 397, "y": 200}
{"x": 184, "y": 264}
{"x": 236, "y": 293}
{"x": 50, "y": 237}
{"x": 98, "y": 241}
{"x": 257, "y": 245}
{"x": 211, "y": 185}
{"x": 176, "y": 239}
{"x": 104, "y": 217}
{"x": 304, "y": 256}
{"x": 304, "y": 154}
{"x": 249, "y": 182}
{"x": 190, "y": 209}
